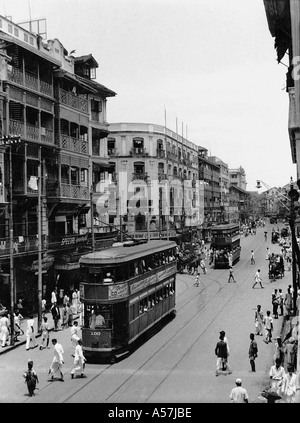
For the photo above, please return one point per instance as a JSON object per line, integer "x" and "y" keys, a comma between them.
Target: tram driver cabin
{"x": 126, "y": 291}
{"x": 226, "y": 245}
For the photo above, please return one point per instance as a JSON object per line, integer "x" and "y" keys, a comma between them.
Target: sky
{"x": 206, "y": 68}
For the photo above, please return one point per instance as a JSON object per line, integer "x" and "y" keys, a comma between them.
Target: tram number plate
{"x": 96, "y": 333}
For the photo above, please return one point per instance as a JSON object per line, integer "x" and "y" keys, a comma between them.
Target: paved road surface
{"x": 178, "y": 364}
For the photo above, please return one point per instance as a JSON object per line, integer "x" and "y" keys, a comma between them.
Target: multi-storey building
{"x": 157, "y": 180}
{"x": 224, "y": 186}
{"x": 237, "y": 178}
{"x": 209, "y": 175}
{"x": 53, "y": 102}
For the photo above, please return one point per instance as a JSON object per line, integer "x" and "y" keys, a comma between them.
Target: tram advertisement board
{"x": 152, "y": 279}
{"x": 117, "y": 291}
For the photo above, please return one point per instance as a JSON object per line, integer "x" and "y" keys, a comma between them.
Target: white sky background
{"x": 209, "y": 63}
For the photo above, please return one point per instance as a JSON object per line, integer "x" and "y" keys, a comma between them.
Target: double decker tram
{"x": 125, "y": 291}
{"x": 226, "y": 244}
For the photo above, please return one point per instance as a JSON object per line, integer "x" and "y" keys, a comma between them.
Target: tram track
{"x": 221, "y": 282}
{"x": 164, "y": 345}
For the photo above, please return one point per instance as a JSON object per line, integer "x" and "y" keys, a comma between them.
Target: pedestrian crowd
{"x": 284, "y": 380}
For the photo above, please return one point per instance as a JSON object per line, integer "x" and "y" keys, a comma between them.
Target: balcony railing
{"x": 138, "y": 152}
{"x": 78, "y": 102}
{"x": 74, "y": 144}
{"x": 140, "y": 176}
{"x": 29, "y": 80}
{"x": 22, "y": 244}
{"x": 31, "y": 132}
{"x": 74, "y": 191}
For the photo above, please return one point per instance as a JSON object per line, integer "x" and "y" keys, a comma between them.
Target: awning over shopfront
{"x": 279, "y": 22}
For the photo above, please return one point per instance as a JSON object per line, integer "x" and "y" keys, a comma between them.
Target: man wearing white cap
{"x": 239, "y": 394}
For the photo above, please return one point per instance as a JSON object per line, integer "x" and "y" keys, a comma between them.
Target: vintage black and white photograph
{"x": 149, "y": 204}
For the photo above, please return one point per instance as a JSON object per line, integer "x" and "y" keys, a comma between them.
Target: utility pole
{"x": 11, "y": 253}
{"x": 40, "y": 275}
{"x": 92, "y": 219}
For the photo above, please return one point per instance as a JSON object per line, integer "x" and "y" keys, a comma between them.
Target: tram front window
{"x": 96, "y": 317}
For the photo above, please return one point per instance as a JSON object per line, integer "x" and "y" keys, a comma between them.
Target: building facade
{"x": 157, "y": 180}
{"x": 51, "y": 100}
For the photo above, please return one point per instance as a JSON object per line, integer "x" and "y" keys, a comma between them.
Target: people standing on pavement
{"x": 31, "y": 378}
{"x": 45, "y": 329}
{"x": 17, "y": 325}
{"x": 268, "y": 322}
{"x": 74, "y": 335}
{"x": 288, "y": 301}
{"x": 279, "y": 351}
{"x": 298, "y": 302}
{"x": 252, "y": 261}
{"x": 222, "y": 355}
{"x": 54, "y": 296}
{"x": 74, "y": 301}
{"x": 290, "y": 353}
{"x": 280, "y": 298}
{"x": 276, "y": 375}
{"x": 79, "y": 360}
{"x": 58, "y": 360}
{"x": 231, "y": 275}
{"x": 252, "y": 352}
{"x": 275, "y": 303}
{"x": 258, "y": 319}
{"x": 65, "y": 316}
{"x": 288, "y": 386}
{"x": 239, "y": 394}
{"x": 4, "y": 329}
{"x": 257, "y": 279}
{"x": 55, "y": 315}
{"x": 30, "y": 335}
{"x": 44, "y": 304}
{"x": 70, "y": 315}
{"x": 66, "y": 299}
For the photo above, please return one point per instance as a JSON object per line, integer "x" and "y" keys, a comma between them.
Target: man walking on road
{"x": 257, "y": 279}
{"x": 239, "y": 394}
{"x": 252, "y": 261}
{"x": 222, "y": 354}
{"x": 231, "y": 275}
{"x": 79, "y": 360}
{"x": 252, "y": 352}
{"x": 258, "y": 319}
{"x": 268, "y": 322}
{"x": 58, "y": 360}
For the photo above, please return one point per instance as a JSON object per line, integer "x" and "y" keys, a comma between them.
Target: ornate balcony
{"x": 29, "y": 80}
{"x": 140, "y": 176}
{"x": 138, "y": 152}
{"x": 77, "y": 102}
{"x": 74, "y": 144}
{"x": 31, "y": 132}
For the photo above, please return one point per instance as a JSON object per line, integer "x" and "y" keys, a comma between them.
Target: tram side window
{"x": 134, "y": 311}
{"x": 143, "y": 306}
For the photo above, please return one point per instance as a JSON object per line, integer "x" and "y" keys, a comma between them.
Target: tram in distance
{"x": 126, "y": 291}
{"x": 226, "y": 245}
